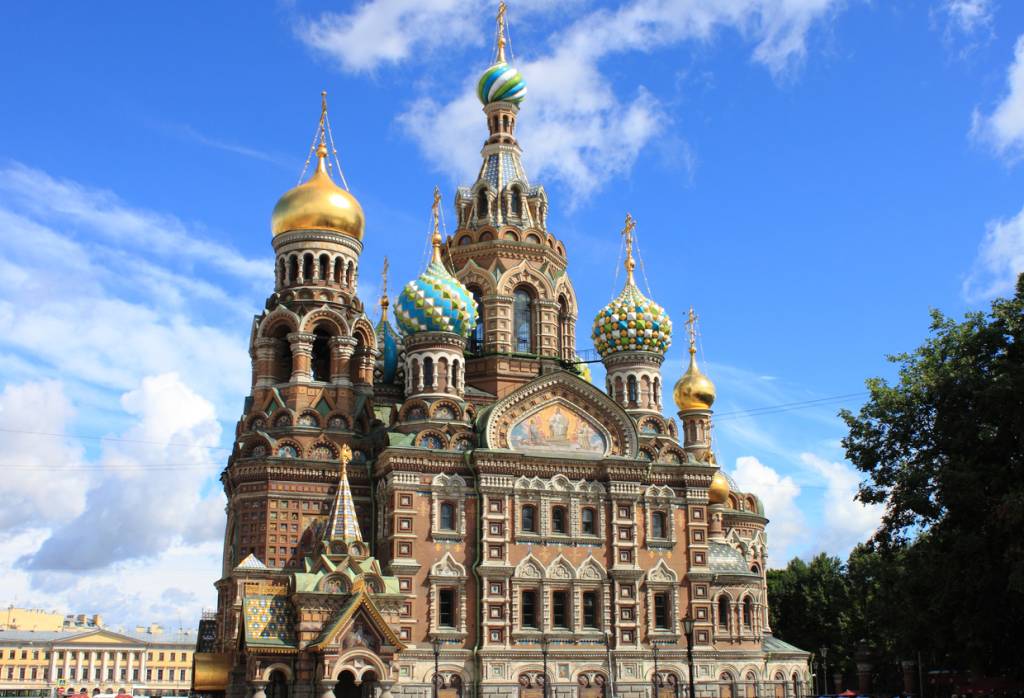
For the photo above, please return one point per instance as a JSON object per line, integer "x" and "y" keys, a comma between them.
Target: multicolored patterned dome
{"x": 632, "y": 322}
{"x": 387, "y": 340}
{"x": 501, "y": 83}
{"x": 436, "y": 302}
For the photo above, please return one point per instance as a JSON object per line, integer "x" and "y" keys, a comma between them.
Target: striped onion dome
{"x": 632, "y": 322}
{"x": 436, "y": 302}
{"x": 501, "y": 83}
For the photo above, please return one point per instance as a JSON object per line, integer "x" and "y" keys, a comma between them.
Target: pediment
{"x": 359, "y": 623}
{"x": 559, "y": 413}
{"x": 102, "y": 637}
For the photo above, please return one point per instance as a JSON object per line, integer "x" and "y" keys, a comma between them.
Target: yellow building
{"x": 12, "y": 618}
{"x": 95, "y": 661}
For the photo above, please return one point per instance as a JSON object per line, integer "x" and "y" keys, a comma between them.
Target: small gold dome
{"x": 718, "y": 490}
{"x": 694, "y": 391}
{"x": 318, "y": 204}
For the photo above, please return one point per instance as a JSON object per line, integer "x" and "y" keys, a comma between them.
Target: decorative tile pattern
{"x": 501, "y": 83}
{"x": 436, "y": 302}
{"x": 632, "y": 322}
{"x": 268, "y": 620}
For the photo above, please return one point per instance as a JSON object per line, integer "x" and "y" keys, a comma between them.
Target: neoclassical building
{"x": 446, "y": 501}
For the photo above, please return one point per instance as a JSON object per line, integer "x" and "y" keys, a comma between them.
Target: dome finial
{"x": 384, "y": 291}
{"x": 435, "y": 238}
{"x": 501, "y": 31}
{"x": 691, "y": 331}
{"x": 627, "y": 232}
{"x": 694, "y": 390}
{"x": 321, "y": 147}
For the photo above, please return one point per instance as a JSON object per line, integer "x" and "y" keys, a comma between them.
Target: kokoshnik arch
{"x": 453, "y": 502}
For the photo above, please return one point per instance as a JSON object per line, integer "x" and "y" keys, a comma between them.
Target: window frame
{"x": 533, "y": 615}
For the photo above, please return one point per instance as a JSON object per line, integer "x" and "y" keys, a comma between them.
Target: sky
{"x": 812, "y": 176}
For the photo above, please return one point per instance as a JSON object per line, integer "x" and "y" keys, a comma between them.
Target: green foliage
{"x": 810, "y": 605}
{"x": 943, "y": 449}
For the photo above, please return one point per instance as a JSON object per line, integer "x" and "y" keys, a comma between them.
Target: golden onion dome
{"x": 718, "y": 490}
{"x": 318, "y": 204}
{"x": 694, "y": 391}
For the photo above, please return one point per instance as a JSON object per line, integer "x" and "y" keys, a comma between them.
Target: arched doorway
{"x": 348, "y": 688}
{"x": 277, "y": 685}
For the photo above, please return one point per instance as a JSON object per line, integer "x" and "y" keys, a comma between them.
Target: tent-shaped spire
{"x": 343, "y": 525}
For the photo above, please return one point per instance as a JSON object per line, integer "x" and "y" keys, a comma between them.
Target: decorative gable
{"x": 560, "y": 413}
{"x": 358, "y": 624}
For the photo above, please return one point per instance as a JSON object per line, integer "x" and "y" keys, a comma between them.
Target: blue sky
{"x": 811, "y": 175}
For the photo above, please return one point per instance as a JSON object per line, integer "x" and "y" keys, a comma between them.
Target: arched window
{"x": 522, "y": 319}
{"x": 476, "y": 342}
{"x": 281, "y": 272}
{"x": 356, "y": 373}
{"x": 325, "y": 267}
{"x": 748, "y": 612}
{"x": 338, "y": 266}
{"x": 350, "y": 274}
{"x": 558, "y": 520}
{"x": 456, "y": 374}
{"x": 631, "y": 391}
{"x": 723, "y": 611}
{"x": 428, "y": 373}
{"x": 796, "y": 685}
{"x": 588, "y": 517}
{"x": 658, "y": 527}
{"x": 481, "y": 204}
{"x": 517, "y": 202}
{"x": 293, "y": 269}
{"x": 283, "y": 356}
{"x": 447, "y": 516}
{"x": 564, "y": 350}
{"x": 307, "y": 268}
{"x": 528, "y": 518}
{"x": 321, "y": 361}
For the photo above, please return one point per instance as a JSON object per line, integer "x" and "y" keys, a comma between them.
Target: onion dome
{"x": 501, "y": 82}
{"x": 436, "y": 301}
{"x": 387, "y": 340}
{"x": 694, "y": 391}
{"x": 319, "y": 203}
{"x": 718, "y": 490}
{"x": 631, "y": 322}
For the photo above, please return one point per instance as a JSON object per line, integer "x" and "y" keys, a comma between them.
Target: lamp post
{"x": 436, "y": 642}
{"x": 824, "y": 668}
{"x": 688, "y": 631}
{"x": 544, "y": 653}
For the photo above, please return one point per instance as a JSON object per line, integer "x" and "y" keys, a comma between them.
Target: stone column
{"x": 302, "y": 356}
{"x": 341, "y": 356}
{"x": 385, "y": 689}
{"x": 266, "y": 353}
{"x": 258, "y": 689}
{"x": 327, "y": 688}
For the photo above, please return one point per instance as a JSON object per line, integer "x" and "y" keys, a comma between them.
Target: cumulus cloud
{"x": 847, "y": 521}
{"x": 44, "y": 481}
{"x": 787, "y": 529}
{"x": 965, "y": 24}
{"x": 1000, "y": 259}
{"x": 576, "y": 129}
{"x": 1003, "y": 129}
{"x": 152, "y": 477}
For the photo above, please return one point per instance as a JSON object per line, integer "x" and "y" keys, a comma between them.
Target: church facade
{"x": 451, "y": 505}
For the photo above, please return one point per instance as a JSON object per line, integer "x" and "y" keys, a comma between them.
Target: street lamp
{"x": 688, "y": 631}
{"x": 824, "y": 667}
{"x": 544, "y": 653}
{"x": 436, "y": 643}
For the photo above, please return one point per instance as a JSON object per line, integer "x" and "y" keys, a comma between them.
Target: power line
{"x": 88, "y": 437}
{"x": 786, "y": 407}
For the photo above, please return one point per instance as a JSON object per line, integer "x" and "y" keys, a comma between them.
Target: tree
{"x": 944, "y": 450}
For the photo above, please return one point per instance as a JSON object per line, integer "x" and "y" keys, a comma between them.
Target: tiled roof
{"x": 268, "y": 621}
{"x": 725, "y": 559}
{"x": 771, "y": 643}
{"x": 250, "y": 562}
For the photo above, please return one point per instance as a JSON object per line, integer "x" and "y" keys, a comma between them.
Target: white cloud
{"x": 1000, "y": 259}
{"x": 787, "y": 529}
{"x": 152, "y": 477}
{"x": 965, "y": 23}
{"x": 574, "y": 128}
{"x": 43, "y": 479}
{"x": 847, "y": 521}
{"x": 1003, "y": 129}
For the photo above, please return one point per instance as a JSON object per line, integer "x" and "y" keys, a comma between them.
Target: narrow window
{"x": 517, "y": 203}
{"x": 447, "y": 516}
{"x": 631, "y": 390}
{"x": 446, "y": 607}
{"x": 481, "y": 204}
{"x": 723, "y": 612}
{"x": 661, "y": 610}
{"x": 558, "y": 523}
{"x": 428, "y": 373}
{"x": 528, "y": 520}
{"x": 748, "y": 612}
{"x": 559, "y": 609}
{"x": 529, "y": 609}
{"x": 658, "y": 525}
{"x": 588, "y": 519}
{"x": 590, "y": 609}
{"x": 523, "y": 320}
{"x": 476, "y": 343}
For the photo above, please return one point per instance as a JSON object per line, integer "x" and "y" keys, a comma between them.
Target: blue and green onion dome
{"x": 501, "y": 83}
{"x": 436, "y": 302}
{"x": 632, "y": 322}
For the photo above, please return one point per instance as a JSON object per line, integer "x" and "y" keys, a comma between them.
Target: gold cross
{"x": 384, "y": 278}
{"x": 627, "y": 232}
{"x": 691, "y": 329}
{"x": 501, "y": 31}
{"x": 346, "y": 458}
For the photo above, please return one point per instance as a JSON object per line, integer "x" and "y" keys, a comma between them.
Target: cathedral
{"x": 433, "y": 499}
